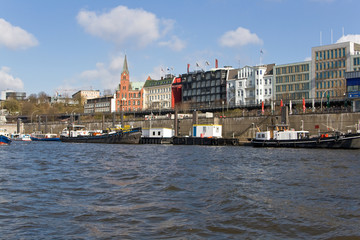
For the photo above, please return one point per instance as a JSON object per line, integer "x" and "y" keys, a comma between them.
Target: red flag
{"x": 304, "y": 108}
{"x": 262, "y": 107}
{"x": 281, "y": 103}
{"x": 188, "y": 67}
{"x": 216, "y": 63}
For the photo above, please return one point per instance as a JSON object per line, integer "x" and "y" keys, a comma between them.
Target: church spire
{"x": 125, "y": 66}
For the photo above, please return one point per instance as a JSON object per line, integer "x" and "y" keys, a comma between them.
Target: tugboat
{"x": 282, "y": 136}
{"x": 78, "y": 134}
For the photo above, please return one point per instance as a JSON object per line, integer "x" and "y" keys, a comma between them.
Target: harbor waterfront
{"x": 95, "y": 191}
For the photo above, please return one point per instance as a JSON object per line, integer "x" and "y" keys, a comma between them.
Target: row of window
{"x": 207, "y": 98}
{"x": 354, "y": 88}
{"x": 128, "y": 103}
{"x": 293, "y": 78}
{"x": 245, "y": 73}
{"x": 329, "y": 84}
{"x": 292, "y": 69}
{"x": 330, "y": 74}
{"x": 131, "y": 95}
{"x": 332, "y": 93}
{"x": 292, "y": 87}
{"x": 208, "y": 76}
{"x": 331, "y": 65}
{"x": 293, "y": 96}
{"x": 203, "y": 91}
{"x": 160, "y": 90}
{"x": 203, "y": 84}
{"x": 330, "y": 54}
{"x": 159, "y": 97}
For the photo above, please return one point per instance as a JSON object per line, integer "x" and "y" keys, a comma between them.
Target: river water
{"x": 94, "y": 191}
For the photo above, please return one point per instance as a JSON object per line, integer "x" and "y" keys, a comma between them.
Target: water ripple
{"x": 96, "y": 191}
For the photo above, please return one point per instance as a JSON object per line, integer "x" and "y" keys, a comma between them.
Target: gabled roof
{"x": 233, "y": 74}
{"x": 136, "y": 85}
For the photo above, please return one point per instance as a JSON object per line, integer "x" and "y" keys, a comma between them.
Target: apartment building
{"x": 329, "y": 64}
{"x": 205, "y": 89}
{"x": 292, "y": 81}
{"x": 250, "y": 85}
{"x": 157, "y": 93}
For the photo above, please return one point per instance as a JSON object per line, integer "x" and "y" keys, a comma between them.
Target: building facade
{"x": 84, "y": 95}
{"x": 329, "y": 64}
{"x": 20, "y": 96}
{"x": 104, "y": 104}
{"x": 176, "y": 92}
{"x": 353, "y": 89}
{"x": 157, "y": 93}
{"x": 129, "y": 97}
{"x": 292, "y": 81}
{"x": 205, "y": 89}
{"x": 250, "y": 86}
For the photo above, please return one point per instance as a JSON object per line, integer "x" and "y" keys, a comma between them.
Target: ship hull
{"x": 4, "y": 140}
{"x": 348, "y": 141}
{"x": 129, "y": 137}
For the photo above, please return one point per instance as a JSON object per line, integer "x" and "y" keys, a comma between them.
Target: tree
{"x": 12, "y": 105}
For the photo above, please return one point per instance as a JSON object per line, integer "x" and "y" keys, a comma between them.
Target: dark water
{"x": 91, "y": 191}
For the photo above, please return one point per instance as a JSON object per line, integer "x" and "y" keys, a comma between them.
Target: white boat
{"x": 20, "y": 137}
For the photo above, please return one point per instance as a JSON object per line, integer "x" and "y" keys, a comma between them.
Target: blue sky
{"x": 69, "y": 45}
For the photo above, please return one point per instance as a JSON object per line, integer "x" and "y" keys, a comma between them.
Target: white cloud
{"x": 174, "y": 43}
{"x": 238, "y": 38}
{"x": 307, "y": 59}
{"x": 122, "y": 25}
{"x": 7, "y": 81}
{"x": 350, "y": 38}
{"x": 15, "y": 37}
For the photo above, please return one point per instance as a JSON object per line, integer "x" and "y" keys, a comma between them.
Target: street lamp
{"x": 32, "y": 115}
{"x": 322, "y": 95}
{"x": 229, "y": 102}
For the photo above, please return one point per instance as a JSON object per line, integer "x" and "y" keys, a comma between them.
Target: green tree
{"x": 12, "y": 105}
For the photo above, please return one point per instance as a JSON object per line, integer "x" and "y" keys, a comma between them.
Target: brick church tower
{"x": 129, "y": 97}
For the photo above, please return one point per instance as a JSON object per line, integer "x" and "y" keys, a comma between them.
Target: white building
{"x": 157, "y": 93}
{"x": 250, "y": 86}
{"x": 100, "y": 105}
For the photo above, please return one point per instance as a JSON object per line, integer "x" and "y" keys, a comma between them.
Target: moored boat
{"x": 4, "y": 137}
{"x": 281, "y": 136}
{"x": 38, "y": 136}
{"x": 20, "y": 137}
{"x": 78, "y": 134}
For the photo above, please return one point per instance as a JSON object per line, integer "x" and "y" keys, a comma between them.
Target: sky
{"x": 65, "y": 46}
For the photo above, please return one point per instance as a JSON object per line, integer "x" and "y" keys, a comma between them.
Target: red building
{"x": 176, "y": 92}
{"x": 129, "y": 97}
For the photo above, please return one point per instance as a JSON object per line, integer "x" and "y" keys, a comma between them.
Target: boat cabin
{"x": 281, "y": 132}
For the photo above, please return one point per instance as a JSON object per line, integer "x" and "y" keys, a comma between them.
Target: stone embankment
{"x": 238, "y": 127}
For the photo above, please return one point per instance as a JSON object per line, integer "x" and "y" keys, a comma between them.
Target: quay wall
{"x": 241, "y": 127}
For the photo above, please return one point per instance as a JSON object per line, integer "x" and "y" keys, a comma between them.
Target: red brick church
{"x": 129, "y": 97}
